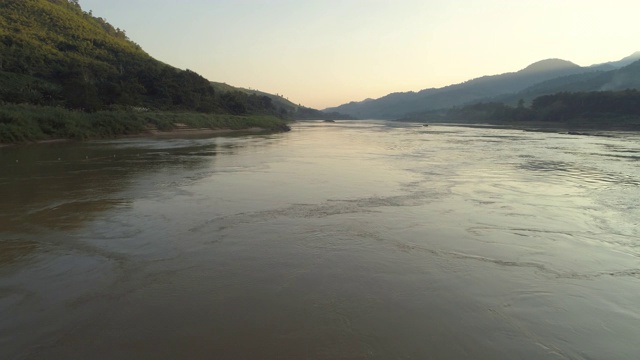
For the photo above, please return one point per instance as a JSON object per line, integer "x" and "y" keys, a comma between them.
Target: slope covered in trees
{"x": 285, "y": 107}
{"x": 598, "y": 109}
{"x": 54, "y": 54}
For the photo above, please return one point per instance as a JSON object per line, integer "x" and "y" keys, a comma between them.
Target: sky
{"x": 323, "y": 53}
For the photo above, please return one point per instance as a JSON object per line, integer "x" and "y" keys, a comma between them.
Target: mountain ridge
{"x": 399, "y": 104}
{"x": 617, "y": 79}
{"x": 548, "y": 65}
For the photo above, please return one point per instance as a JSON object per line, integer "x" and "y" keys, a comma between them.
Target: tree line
{"x": 53, "y": 53}
{"x": 598, "y": 107}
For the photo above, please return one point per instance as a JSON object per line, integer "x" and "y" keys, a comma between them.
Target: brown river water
{"x": 346, "y": 240}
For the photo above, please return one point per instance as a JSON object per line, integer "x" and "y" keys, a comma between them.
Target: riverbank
{"x": 174, "y": 133}
{"x": 567, "y": 128}
{"x": 20, "y": 124}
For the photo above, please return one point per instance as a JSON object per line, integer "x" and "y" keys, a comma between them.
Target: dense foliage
{"x": 67, "y": 74}
{"x": 285, "y": 107}
{"x": 53, "y": 53}
{"x": 595, "y": 109}
{"x": 23, "y": 122}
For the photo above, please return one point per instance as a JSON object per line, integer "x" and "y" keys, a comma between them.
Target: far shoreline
{"x": 561, "y": 128}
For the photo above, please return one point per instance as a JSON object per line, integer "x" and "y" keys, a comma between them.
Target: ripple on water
{"x": 16, "y": 249}
{"x": 359, "y": 239}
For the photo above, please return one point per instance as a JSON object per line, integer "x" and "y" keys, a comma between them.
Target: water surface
{"x": 347, "y": 240}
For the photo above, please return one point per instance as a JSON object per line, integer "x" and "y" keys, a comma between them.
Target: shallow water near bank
{"x": 354, "y": 239}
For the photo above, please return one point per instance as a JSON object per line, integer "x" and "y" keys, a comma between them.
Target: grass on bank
{"x": 27, "y": 123}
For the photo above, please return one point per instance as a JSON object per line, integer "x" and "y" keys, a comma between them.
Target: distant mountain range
{"x": 540, "y": 78}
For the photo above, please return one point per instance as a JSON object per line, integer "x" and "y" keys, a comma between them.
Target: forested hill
{"x": 54, "y": 53}
{"x": 284, "y": 106}
{"x": 612, "y": 110}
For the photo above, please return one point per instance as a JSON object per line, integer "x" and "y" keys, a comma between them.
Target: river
{"x": 346, "y": 240}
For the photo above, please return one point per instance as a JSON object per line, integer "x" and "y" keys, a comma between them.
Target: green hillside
{"x": 285, "y": 107}
{"x": 55, "y": 55}
{"x": 278, "y": 101}
{"x": 80, "y": 61}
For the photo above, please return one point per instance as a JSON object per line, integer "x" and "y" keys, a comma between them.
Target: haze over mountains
{"x": 540, "y": 78}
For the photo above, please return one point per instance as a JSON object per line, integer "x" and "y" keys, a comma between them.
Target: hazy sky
{"x": 324, "y": 53}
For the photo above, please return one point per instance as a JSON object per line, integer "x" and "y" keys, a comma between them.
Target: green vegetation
{"x": 89, "y": 80}
{"x": 53, "y": 53}
{"x": 20, "y": 123}
{"x": 602, "y": 110}
{"x": 168, "y": 120}
{"x": 285, "y": 107}
{"x": 23, "y": 123}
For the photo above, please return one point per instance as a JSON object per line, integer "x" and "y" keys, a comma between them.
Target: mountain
{"x": 65, "y": 74}
{"x": 286, "y": 107}
{"x": 612, "y": 65}
{"x": 622, "y": 78}
{"x": 548, "y": 66}
{"x": 52, "y": 53}
{"x": 574, "y": 111}
{"x": 398, "y": 105}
